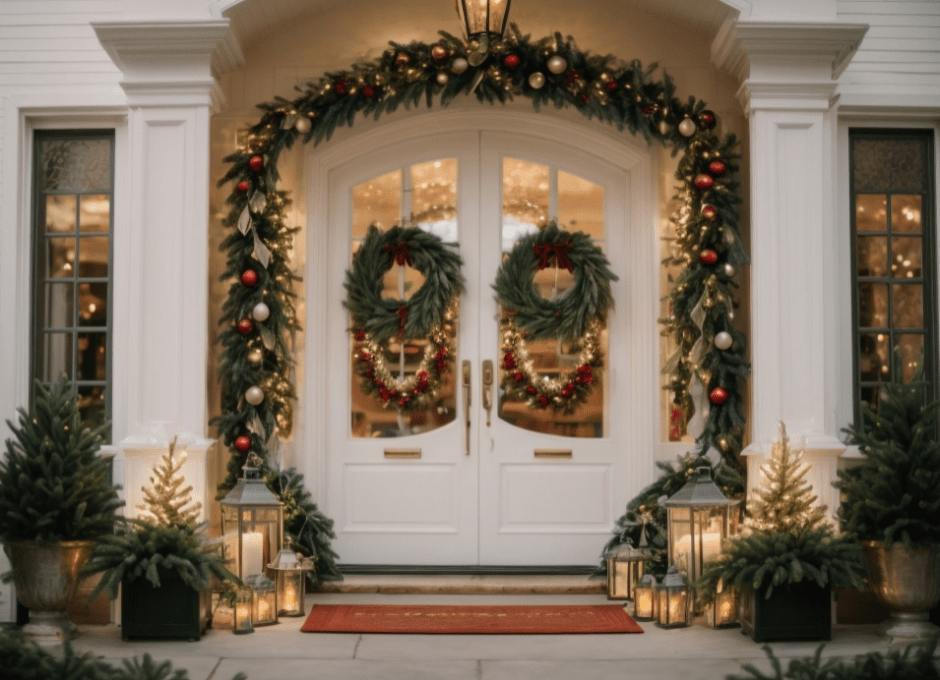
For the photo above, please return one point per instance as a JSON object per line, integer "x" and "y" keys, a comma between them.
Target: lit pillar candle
{"x": 252, "y": 554}
{"x": 243, "y": 615}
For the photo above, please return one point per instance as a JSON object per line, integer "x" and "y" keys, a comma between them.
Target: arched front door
{"x": 477, "y": 479}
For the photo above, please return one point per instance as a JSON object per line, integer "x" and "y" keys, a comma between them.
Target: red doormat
{"x": 470, "y": 620}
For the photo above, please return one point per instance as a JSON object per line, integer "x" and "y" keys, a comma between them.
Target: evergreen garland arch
{"x": 707, "y": 249}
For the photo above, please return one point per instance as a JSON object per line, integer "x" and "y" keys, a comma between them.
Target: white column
{"x": 161, "y": 261}
{"x": 789, "y": 77}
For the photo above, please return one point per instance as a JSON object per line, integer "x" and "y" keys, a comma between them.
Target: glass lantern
{"x": 483, "y": 17}
{"x": 252, "y": 523}
{"x": 723, "y": 611}
{"x": 698, "y": 521}
{"x": 242, "y": 614}
{"x": 263, "y": 600}
{"x": 624, "y": 570}
{"x": 673, "y": 600}
{"x": 290, "y": 571}
{"x": 645, "y": 597}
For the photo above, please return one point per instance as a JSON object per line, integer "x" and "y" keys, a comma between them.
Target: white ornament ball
{"x": 537, "y": 81}
{"x": 442, "y": 78}
{"x": 460, "y": 65}
{"x": 254, "y": 395}
{"x": 730, "y": 270}
{"x": 557, "y": 64}
{"x": 255, "y": 356}
{"x": 302, "y": 125}
{"x": 687, "y": 127}
{"x": 261, "y": 312}
{"x": 723, "y": 340}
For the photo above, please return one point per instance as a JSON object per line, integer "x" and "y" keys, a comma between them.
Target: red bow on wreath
{"x": 559, "y": 250}
{"x": 400, "y": 253}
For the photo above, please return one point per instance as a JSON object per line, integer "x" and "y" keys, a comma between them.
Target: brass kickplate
{"x": 402, "y": 453}
{"x": 553, "y": 453}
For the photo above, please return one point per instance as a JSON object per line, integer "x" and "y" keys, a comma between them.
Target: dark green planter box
{"x": 174, "y": 610}
{"x": 797, "y": 611}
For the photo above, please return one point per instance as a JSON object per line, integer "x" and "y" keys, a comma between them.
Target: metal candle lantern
{"x": 698, "y": 520}
{"x": 723, "y": 611}
{"x": 673, "y": 597}
{"x": 242, "y": 615}
{"x": 263, "y": 600}
{"x": 645, "y": 594}
{"x": 289, "y": 577}
{"x": 252, "y": 522}
{"x": 625, "y": 569}
{"x": 483, "y": 21}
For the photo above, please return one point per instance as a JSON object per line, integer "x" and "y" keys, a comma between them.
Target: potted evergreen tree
{"x": 787, "y": 559}
{"x": 161, "y": 561}
{"x": 56, "y": 500}
{"x": 891, "y": 501}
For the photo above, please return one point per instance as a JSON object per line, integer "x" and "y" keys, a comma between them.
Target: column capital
{"x": 171, "y": 63}
{"x": 786, "y": 65}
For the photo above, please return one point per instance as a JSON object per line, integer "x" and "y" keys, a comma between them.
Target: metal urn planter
{"x": 908, "y": 584}
{"x": 45, "y": 577}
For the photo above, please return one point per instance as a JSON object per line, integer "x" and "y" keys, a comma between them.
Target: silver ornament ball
{"x": 255, "y": 356}
{"x": 730, "y": 270}
{"x": 442, "y": 78}
{"x": 723, "y": 340}
{"x": 261, "y": 312}
{"x": 460, "y": 65}
{"x": 687, "y": 127}
{"x": 557, "y": 64}
{"x": 537, "y": 81}
{"x": 254, "y": 395}
{"x": 302, "y": 125}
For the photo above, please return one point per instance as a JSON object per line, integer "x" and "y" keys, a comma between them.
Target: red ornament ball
{"x": 242, "y": 443}
{"x": 531, "y": 389}
{"x": 245, "y": 326}
{"x": 708, "y": 256}
{"x": 341, "y": 86}
{"x": 509, "y": 361}
{"x": 439, "y": 52}
{"x": 256, "y": 163}
{"x": 676, "y": 414}
{"x": 703, "y": 182}
{"x": 250, "y": 277}
{"x": 612, "y": 85}
{"x": 544, "y": 400}
{"x": 707, "y": 119}
{"x": 709, "y": 212}
{"x": 717, "y": 168}
{"x": 518, "y": 377}
{"x": 367, "y": 91}
{"x": 718, "y": 396}
{"x": 242, "y": 187}
{"x": 360, "y": 335}
{"x": 511, "y": 60}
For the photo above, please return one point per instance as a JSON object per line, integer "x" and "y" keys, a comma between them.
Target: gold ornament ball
{"x": 442, "y": 78}
{"x": 537, "y": 80}
{"x": 254, "y": 395}
{"x": 730, "y": 270}
{"x": 723, "y": 340}
{"x": 302, "y": 125}
{"x": 255, "y": 356}
{"x": 439, "y": 52}
{"x": 557, "y": 64}
{"x": 664, "y": 128}
{"x": 460, "y": 65}
{"x": 687, "y": 127}
{"x": 402, "y": 59}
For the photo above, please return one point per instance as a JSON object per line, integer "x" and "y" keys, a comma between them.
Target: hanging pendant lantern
{"x": 484, "y": 21}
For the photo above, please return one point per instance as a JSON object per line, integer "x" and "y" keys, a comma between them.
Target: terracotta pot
{"x": 45, "y": 577}
{"x": 908, "y": 584}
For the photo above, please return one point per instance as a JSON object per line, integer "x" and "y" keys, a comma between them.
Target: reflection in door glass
{"x": 428, "y": 192}
{"x": 529, "y": 191}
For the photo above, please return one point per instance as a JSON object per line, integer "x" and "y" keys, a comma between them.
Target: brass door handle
{"x": 465, "y": 370}
{"x": 488, "y": 388}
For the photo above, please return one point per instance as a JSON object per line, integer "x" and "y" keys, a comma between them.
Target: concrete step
{"x": 396, "y": 584}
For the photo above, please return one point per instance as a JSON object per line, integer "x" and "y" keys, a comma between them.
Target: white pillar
{"x": 789, "y": 77}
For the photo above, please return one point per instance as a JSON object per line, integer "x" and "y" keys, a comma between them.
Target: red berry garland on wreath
{"x": 576, "y": 316}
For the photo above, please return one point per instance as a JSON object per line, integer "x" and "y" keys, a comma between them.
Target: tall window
{"x": 73, "y": 199}
{"x": 893, "y": 242}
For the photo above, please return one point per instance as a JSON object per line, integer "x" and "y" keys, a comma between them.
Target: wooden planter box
{"x": 798, "y": 611}
{"x": 174, "y": 610}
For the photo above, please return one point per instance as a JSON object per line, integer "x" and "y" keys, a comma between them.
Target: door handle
{"x": 465, "y": 369}
{"x": 488, "y": 388}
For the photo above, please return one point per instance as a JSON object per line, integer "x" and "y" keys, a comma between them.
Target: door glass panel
{"x": 60, "y": 213}
{"x": 873, "y": 364}
{"x": 872, "y": 256}
{"x": 872, "y": 305}
{"x": 528, "y": 193}
{"x": 912, "y": 347}
{"x": 95, "y": 214}
{"x": 871, "y": 213}
{"x": 431, "y": 197}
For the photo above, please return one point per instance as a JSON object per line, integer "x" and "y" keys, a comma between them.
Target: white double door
{"x": 485, "y": 487}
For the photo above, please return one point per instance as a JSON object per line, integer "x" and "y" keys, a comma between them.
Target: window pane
{"x": 60, "y": 214}
{"x": 60, "y": 258}
{"x": 873, "y": 357}
{"x": 91, "y": 404}
{"x": 870, "y": 395}
{"x": 905, "y": 213}
{"x": 57, "y": 357}
{"x": 75, "y": 165}
{"x": 872, "y": 256}
{"x": 95, "y": 213}
{"x": 912, "y": 347}
{"x": 871, "y": 212}
{"x": 93, "y": 256}
{"x": 434, "y": 197}
{"x": 872, "y": 305}
{"x": 91, "y": 356}
{"x": 580, "y": 205}
{"x": 907, "y": 305}
{"x": 93, "y": 303}
{"x": 58, "y": 304}
{"x": 906, "y": 258}
{"x": 892, "y": 164}
{"x": 526, "y": 191}
{"x": 377, "y": 201}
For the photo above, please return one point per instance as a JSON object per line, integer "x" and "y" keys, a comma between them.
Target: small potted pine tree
{"x": 787, "y": 559}
{"x": 161, "y": 561}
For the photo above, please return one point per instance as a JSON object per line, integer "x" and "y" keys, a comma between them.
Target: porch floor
{"x": 282, "y": 652}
